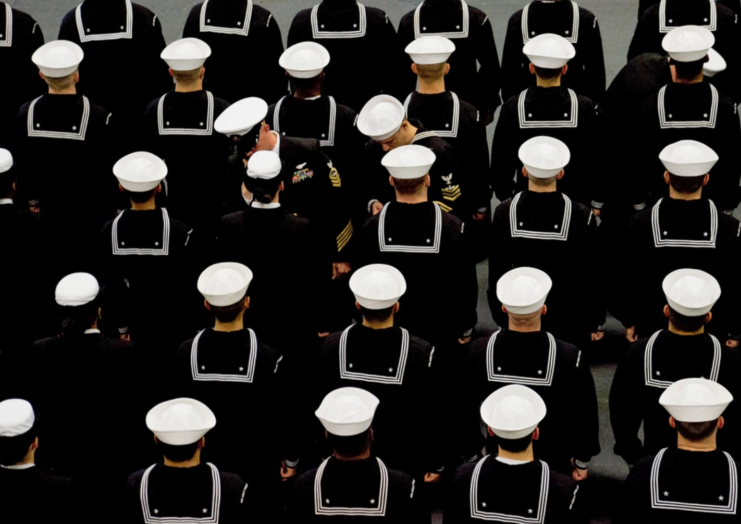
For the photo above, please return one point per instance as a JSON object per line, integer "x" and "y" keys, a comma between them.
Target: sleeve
{"x": 298, "y": 32}
{"x": 594, "y": 63}
{"x": 190, "y": 29}
{"x": 467, "y": 438}
{"x": 499, "y": 260}
{"x": 505, "y": 165}
{"x": 271, "y": 50}
{"x": 68, "y": 29}
{"x": 469, "y": 286}
{"x": 635, "y": 494}
{"x": 392, "y": 80}
{"x": 454, "y": 195}
{"x": 158, "y": 77}
{"x": 586, "y": 415}
{"x": 629, "y": 254}
{"x": 599, "y": 135}
{"x": 727, "y": 192}
{"x": 489, "y": 76}
{"x": 624, "y": 398}
{"x": 404, "y": 37}
{"x": 374, "y": 177}
{"x": 641, "y": 38}
{"x": 131, "y": 510}
{"x": 456, "y": 509}
{"x": 29, "y": 180}
{"x": 475, "y": 151}
{"x": 33, "y": 86}
{"x": 512, "y": 60}
{"x": 593, "y": 275}
{"x": 335, "y": 222}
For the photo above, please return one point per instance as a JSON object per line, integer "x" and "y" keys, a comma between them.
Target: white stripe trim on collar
{"x": 324, "y": 141}
{"x": 463, "y": 28}
{"x": 495, "y": 375}
{"x": 397, "y": 378}
{"x": 34, "y": 128}
{"x": 244, "y": 30}
{"x": 573, "y": 115}
{"x": 456, "y": 117}
{"x": 561, "y": 231}
{"x": 527, "y": 35}
{"x": 162, "y": 251}
{"x": 711, "y": 23}
{"x": 212, "y": 516}
{"x": 434, "y": 247}
{"x": 127, "y": 31}
{"x": 658, "y": 232}
{"x": 383, "y": 491}
{"x": 248, "y": 376}
{"x": 357, "y": 32}
{"x": 7, "y": 36}
{"x": 648, "y": 367}
{"x": 665, "y": 118}
{"x": 209, "y": 120}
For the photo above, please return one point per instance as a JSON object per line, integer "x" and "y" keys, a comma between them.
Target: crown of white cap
{"x": 264, "y": 165}
{"x": 381, "y": 117}
{"x": 6, "y": 160}
{"x": 139, "y": 172}
{"x": 347, "y": 411}
{"x": 305, "y": 59}
{"x": 241, "y": 116}
{"x": 695, "y": 400}
{"x": 430, "y": 50}
{"x": 688, "y": 158}
{"x": 224, "y": 284}
{"x": 409, "y": 162}
{"x": 544, "y": 157}
{"x": 513, "y": 411}
{"x": 58, "y": 59}
{"x": 186, "y": 54}
{"x": 549, "y": 51}
{"x": 523, "y": 290}
{"x": 691, "y": 292}
{"x": 180, "y": 421}
{"x": 76, "y": 289}
{"x": 16, "y": 417}
{"x": 377, "y": 286}
{"x": 715, "y": 64}
{"x": 688, "y": 43}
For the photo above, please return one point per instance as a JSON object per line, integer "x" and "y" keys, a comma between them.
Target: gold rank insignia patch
{"x": 344, "y": 237}
{"x": 334, "y": 175}
{"x": 451, "y": 193}
{"x": 445, "y": 208}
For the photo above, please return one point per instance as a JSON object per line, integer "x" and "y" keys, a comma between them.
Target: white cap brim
{"x": 685, "y": 310}
{"x": 240, "y": 117}
{"x": 16, "y": 417}
{"x": 680, "y": 51}
{"x": 513, "y": 432}
{"x": 377, "y": 302}
{"x": 321, "y": 53}
{"x": 429, "y": 50}
{"x": 352, "y": 428}
{"x": 176, "y": 437}
{"x": 224, "y": 299}
{"x": 374, "y": 130}
{"x": 399, "y": 165}
{"x": 191, "y": 62}
{"x": 51, "y": 66}
{"x": 699, "y": 410}
{"x": 561, "y": 51}
{"x": 715, "y": 64}
{"x": 6, "y": 161}
{"x": 689, "y": 169}
{"x": 76, "y": 289}
{"x": 518, "y": 307}
{"x": 140, "y": 182}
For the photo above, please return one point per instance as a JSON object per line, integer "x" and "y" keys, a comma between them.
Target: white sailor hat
{"x": 381, "y": 117}
{"x": 139, "y": 172}
{"x": 186, "y": 54}
{"x": 409, "y": 162}
{"x": 305, "y": 59}
{"x": 549, "y": 51}
{"x": 347, "y": 411}
{"x": 688, "y": 158}
{"x": 224, "y": 284}
{"x": 715, "y": 64}
{"x": 264, "y": 165}
{"x": 688, "y": 43}
{"x": 544, "y": 157}
{"x": 6, "y": 160}
{"x": 695, "y": 400}
{"x": 377, "y": 286}
{"x": 241, "y": 116}
{"x": 76, "y": 289}
{"x": 691, "y": 292}
{"x": 523, "y": 290}
{"x": 513, "y": 411}
{"x": 430, "y": 50}
{"x": 16, "y": 417}
{"x": 180, "y": 421}
{"x": 58, "y": 59}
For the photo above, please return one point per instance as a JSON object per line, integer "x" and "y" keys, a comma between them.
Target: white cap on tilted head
{"x": 16, "y": 417}
{"x": 241, "y": 116}
{"x": 347, "y": 411}
{"x": 180, "y": 421}
{"x": 695, "y": 400}
{"x": 409, "y": 162}
{"x": 58, "y": 59}
{"x": 691, "y": 292}
{"x": 716, "y": 64}
{"x": 264, "y": 165}
{"x": 139, "y": 172}
{"x": 688, "y": 43}
{"x": 305, "y": 59}
{"x": 377, "y": 286}
{"x": 544, "y": 157}
{"x": 381, "y": 117}
{"x": 224, "y": 284}
{"x": 430, "y": 50}
{"x": 523, "y": 290}
{"x": 6, "y": 160}
{"x": 513, "y": 411}
{"x": 549, "y": 51}
{"x": 76, "y": 289}
{"x": 688, "y": 158}
{"x": 186, "y": 54}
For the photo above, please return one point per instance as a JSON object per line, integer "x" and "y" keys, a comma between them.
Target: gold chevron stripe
{"x": 344, "y": 237}
{"x": 444, "y": 207}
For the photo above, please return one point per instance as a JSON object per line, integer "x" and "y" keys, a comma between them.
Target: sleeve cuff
{"x": 600, "y": 328}
{"x": 370, "y": 205}
{"x": 639, "y": 207}
{"x": 581, "y": 465}
{"x": 291, "y": 463}
{"x": 33, "y": 203}
{"x": 597, "y": 205}
{"x": 123, "y": 330}
{"x": 482, "y": 210}
{"x": 468, "y": 333}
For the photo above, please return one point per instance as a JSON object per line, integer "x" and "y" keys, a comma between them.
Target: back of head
{"x": 77, "y": 296}
{"x": 7, "y": 173}
{"x": 18, "y": 430}
{"x": 431, "y": 71}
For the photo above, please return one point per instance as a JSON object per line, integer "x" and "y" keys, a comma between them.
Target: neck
{"x": 189, "y": 88}
{"x": 530, "y": 325}
{"x": 30, "y": 458}
{"x": 430, "y": 86}
{"x": 307, "y": 92}
{"x": 697, "y": 80}
{"x": 708, "y": 444}
{"x": 236, "y": 325}
{"x": 364, "y": 455}
{"x": 526, "y": 455}
{"x": 72, "y": 90}
{"x": 674, "y": 330}
{"x": 417, "y": 198}
{"x": 195, "y": 461}
{"x": 145, "y": 206}
{"x": 384, "y": 324}
{"x": 548, "y": 82}
{"x": 535, "y": 188}
{"x": 676, "y": 195}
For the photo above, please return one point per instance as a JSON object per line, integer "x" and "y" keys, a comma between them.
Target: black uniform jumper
{"x": 33, "y": 495}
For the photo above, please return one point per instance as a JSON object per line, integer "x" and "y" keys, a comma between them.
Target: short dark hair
{"x": 685, "y": 323}
{"x": 376, "y": 315}
{"x": 686, "y": 185}
{"x": 178, "y": 453}
{"x": 546, "y": 73}
{"x": 74, "y": 320}
{"x": 14, "y": 449}
{"x": 542, "y": 181}
{"x": 350, "y": 446}
{"x": 305, "y": 84}
{"x": 263, "y": 190}
{"x": 430, "y": 71}
{"x": 517, "y": 445}
{"x": 409, "y": 186}
{"x": 688, "y": 70}
{"x": 696, "y": 431}
{"x": 226, "y": 314}
{"x": 139, "y": 197}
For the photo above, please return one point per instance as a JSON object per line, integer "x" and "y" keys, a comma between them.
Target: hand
{"x": 265, "y": 140}
{"x": 376, "y": 207}
{"x": 286, "y": 472}
{"x": 596, "y": 212}
{"x": 578, "y": 474}
{"x": 597, "y": 336}
{"x": 35, "y": 209}
{"x": 478, "y": 216}
{"x": 323, "y": 335}
{"x": 464, "y": 340}
{"x": 732, "y": 343}
{"x": 488, "y": 118}
{"x": 340, "y": 269}
{"x": 125, "y": 336}
{"x": 630, "y": 334}
{"x": 432, "y": 478}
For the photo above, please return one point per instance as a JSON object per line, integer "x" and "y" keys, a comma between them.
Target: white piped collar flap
{"x": 396, "y": 373}
{"x": 661, "y": 235}
{"x": 461, "y": 29}
{"x": 161, "y": 248}
{"x": 571, "y": 118}
{"x": 6, "y": 38}
{"x": 455, "y": 117}
{"x": 205, "y": 127}
{"x": 358, "y": 31}
{"x": 327, "y": 139}
{"x": 710, "y": 22}
{"x": 545, "y": 373}
{"x": 652, "y": 376}
{"x": 200, "y": 373}
{"x": 242, "y": 28}
{"x": 571, "y": 35}
{"x": 36, "y": 128}
{"x": 667, "y": 120}
{"x": 323, "y": 500}
{"x": 560, "y": 231}
{"x": 127, "y": 30}
{"x": 433, "y": 243}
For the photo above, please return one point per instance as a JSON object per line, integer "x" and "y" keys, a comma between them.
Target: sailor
{"x": 688, "y": 109}
{"x": 121, "y": 39}
{"x": 383, "y": 120}
{"x": 242, "y": 379}
{"x": 511, "y": 485}
{"x": 411, "y": 230}
{"x": 31, "y": 494}
{"x": 523, "y": 353}
{"x": 566, "y": 19}
{"x": 734, "y": 5}
{"x": 283, "y": 239}
{"x": 543, "y": 228}
{"x": 693, "y": 478}
{"x": 349, "y": 30}
{"x": 79, "y": 137}
{"x": 552, "y": 109}
{"x": 354, "y": 481}
{"x": 685, "y": 230}
{"x": 20, "y": 37}
{"x": 239, "y": 29}
{"x": 397, "y": 367}
{"x": 182, "y": 487}
{"x": 474, "y": 68}
{"x": 682, "y": 351}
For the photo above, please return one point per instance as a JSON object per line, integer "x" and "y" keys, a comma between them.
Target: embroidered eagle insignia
{"x": 448, "y": 179}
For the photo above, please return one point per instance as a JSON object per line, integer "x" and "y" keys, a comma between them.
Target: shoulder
{"x": 220, "y": 105}
{"x": 641, "y": 470}
{"x": 119, "y": 347}
{"x": 302, "y": 17}
{"x": 305, "y": 481}
{"x": 568, "y": 353}
{"x": 46, "y": 344}
{"x": 636, "y": 350}
{"x": 231, "y": 482}
{"x": 233, "y": 219}
{"x": 260, "y": 15}
{"x": 726, "y": 104}
{"x": 407, "y": 21}
{"x": 502, "y": 210}
{"x": 69, "y": 18}
{"x": 346, "y": 114}
{"x": 586, "y": 15}
{"x": 376, "y": 16}
{"x": 142, "y": 13}
{"x": 469, "y": 112}
{"x": 21, "y": 18}
{"x": 297, "y": 222}
{"x": 514, "y": 20}
{"x": 452, "y": 225}
{"x": 181, "y": 229}
{"x": 640, "y": 219}
{"x": 563, "y": 483}
{"x": 581, "y": 211}
{"x": 330, "y": 344}
{"x": 184, "y": 349}
{"x": 401, "y": 482}
{"x": 135, "y": 480}
{"x": 462, "y": 475}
